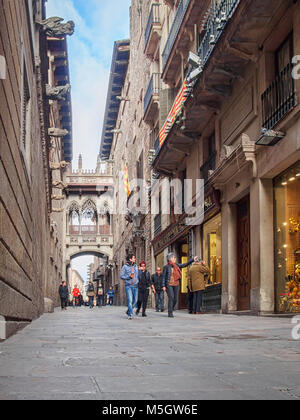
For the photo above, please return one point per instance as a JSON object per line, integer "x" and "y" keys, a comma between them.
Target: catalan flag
{"x": 126, "y": 181}
{"x": 179, "y": 101}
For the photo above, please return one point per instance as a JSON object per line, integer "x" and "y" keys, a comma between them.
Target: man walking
{"x": 130, "y": 275}
{"x": 157, "y": 283}
{"x": 100, "y": 295}
{"x": 75, "y": 293}
{"x": 91, "y": 294}
{"x": 110, "y": 294}
{"x": 171, "y": 280}
{"x": 196, "y": 278}
{"x": 144, "y": 288}
{"x": 63, "y": 294}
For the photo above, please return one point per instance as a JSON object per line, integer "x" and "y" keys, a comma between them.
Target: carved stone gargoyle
{"x": 59, "y": 185}
{"x": 59, "y": 165}
{"x": 57, "y": 93}
{"x": 57, "y": 132}
{"x": 58, "y": 197}
{"x": 54, "y": 27}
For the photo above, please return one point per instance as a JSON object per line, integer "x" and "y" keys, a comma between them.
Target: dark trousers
{"x": 91, "y": 301}
{"x": 190, "y": 301}
{"x": 172, "y": 292}
{"x": 63, "y": 302}
{"x": 197, "y": 300}
{"x": 100, "y": 300}
{"x": 142, "y": 300}
{"x": 159, "y": 300}
{"x": 111, "y": 300}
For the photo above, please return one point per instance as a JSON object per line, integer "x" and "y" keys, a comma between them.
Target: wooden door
{"x": 243, "y": 254}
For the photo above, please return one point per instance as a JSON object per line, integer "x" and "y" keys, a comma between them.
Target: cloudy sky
{"x": 98, "y": 23}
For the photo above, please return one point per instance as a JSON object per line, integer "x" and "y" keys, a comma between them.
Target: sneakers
{"x": 129, "y": 317}
{"x": 144, "y": 315}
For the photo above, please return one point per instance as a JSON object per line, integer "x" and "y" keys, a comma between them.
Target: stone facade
{"x": 201, "y": 117}
{"x": 27, "y": 228}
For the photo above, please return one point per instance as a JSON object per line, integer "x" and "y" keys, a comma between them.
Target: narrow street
{"x": 100, "y": 355}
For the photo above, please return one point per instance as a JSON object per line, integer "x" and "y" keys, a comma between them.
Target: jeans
{"x": 172, "y": 292}
{"x": 131, "y": 295}
{"x": 159, "y": 300}
{"x": 111, "y": 300}
{"x": 142, "y": 299}
{"x": 100, "y": 300}
{"x": 197, "y": 300}
{"x": 91, "y": 301}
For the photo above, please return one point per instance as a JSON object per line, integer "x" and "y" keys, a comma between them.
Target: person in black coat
{"x": 157, "y": 285}
{"x": 144, "y": 288}
{"x": 64, "y": 295}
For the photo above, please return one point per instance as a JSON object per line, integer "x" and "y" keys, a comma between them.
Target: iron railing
{"x": 157, "y": 146}
{"x": 157, "y": 224}
{"x": 279, "y": 98}
{"x": 153, "y": 89}
{"x": 154, "y": 18}
{"x": 180, "y": 14}
{"x": 218, "y": 19}
{"x": 209, "y": 165}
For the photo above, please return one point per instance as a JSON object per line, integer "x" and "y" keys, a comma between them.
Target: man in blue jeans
{"x": 130, "y": 275}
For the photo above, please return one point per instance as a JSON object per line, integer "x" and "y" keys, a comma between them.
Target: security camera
{"x": 194, "y": 59}
{"x": 194, "y": 74}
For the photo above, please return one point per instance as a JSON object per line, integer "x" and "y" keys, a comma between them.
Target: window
{"x": 209, "y": 157}
{"x": 280, "y": 96}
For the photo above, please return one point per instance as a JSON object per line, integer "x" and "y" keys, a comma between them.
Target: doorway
{"x": 243, "y": 254}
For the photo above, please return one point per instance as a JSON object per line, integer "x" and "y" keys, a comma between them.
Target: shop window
{"x": 212, "y": 248}
{"x": 287, "y": 240}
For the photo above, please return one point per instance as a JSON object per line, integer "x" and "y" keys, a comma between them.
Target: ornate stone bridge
{"x": 87, "y": 216}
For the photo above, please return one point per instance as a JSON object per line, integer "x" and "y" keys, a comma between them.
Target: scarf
{"x": 176, "y": 272}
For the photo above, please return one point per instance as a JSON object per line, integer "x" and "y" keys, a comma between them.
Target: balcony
{"x": 151, "y": 100}
{"x": 209, "y": 165}
{"x": 279, "y": 98}
{"x": 180, "y": 14}
{"x": 77, "y": 230}
{"x": 215, "y": 27}
{"x": 157, "y": 224}
{"x": 153, "y": 30}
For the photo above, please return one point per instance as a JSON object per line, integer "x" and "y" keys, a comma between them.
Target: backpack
{"x": 91, "y": 288}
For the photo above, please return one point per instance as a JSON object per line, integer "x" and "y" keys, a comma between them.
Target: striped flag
{"x": 126, "y": 181}
{"x": 179, "y": 101}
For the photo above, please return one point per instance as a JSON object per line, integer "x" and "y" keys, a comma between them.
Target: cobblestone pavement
{"x": 100, "y": 355}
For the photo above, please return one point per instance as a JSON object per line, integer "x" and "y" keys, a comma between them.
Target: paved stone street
{"x": 98, "y": 354}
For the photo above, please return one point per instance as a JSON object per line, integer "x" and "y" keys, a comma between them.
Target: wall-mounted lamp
{"x": 269, "y": 137}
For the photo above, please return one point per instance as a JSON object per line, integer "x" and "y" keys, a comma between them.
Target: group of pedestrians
{"x": 138, "y": 283}
{"x": 77, "y": 298}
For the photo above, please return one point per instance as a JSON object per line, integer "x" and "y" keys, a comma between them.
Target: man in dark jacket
{"x": 63, "y": 294}
{"x": 157, "y": 283}
{"x": 144, "y": 288}
{"x": 171, "y": 280}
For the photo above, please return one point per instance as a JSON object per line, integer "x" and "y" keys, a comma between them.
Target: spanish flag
{"x": 126, "y": 181}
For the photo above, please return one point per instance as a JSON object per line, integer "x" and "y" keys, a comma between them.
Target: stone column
{"x": 262, "y": 246}
{"x": 229, "y": 258}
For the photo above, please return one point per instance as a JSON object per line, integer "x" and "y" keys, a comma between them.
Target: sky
{"x": 98, "y": 23}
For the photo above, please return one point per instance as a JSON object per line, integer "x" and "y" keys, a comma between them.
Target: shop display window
{"x": 212, "y": 249}
{"x": 287, "y": 240}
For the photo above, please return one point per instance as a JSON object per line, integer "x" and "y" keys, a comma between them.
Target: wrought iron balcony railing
{"x": 154, "y": 18}
{"x": 279, "y": 98}
{"x": 153, "y": 89}
{"x": 157, "y": 224}
{"x": 180, "y": 14}
{"x": 215, "y": 25}
{"x": 209, "y": 165}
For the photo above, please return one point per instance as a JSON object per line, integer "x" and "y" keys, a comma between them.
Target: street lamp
{"x": 269, "y": 137}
